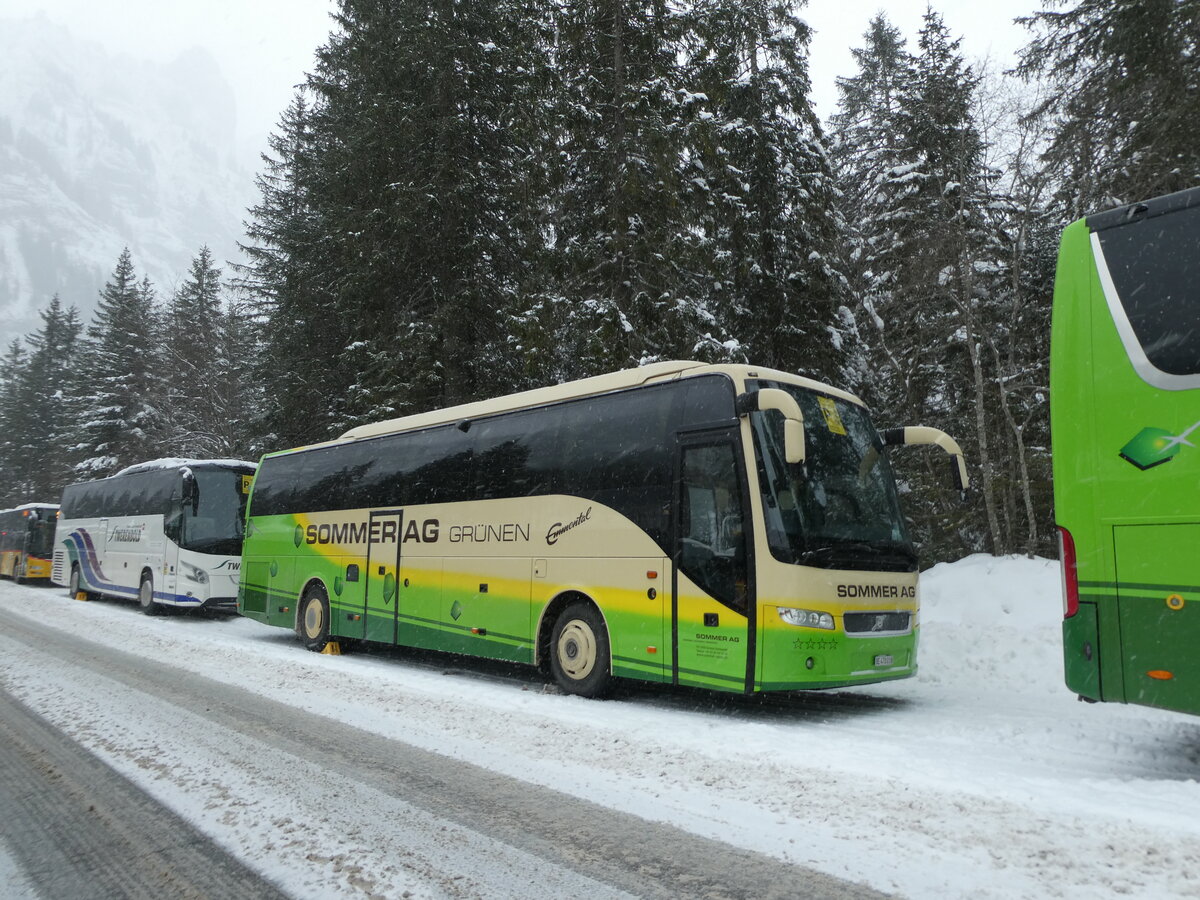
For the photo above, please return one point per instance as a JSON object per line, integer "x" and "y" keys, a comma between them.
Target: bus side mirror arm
{"x": 920, "y": 434}
{"x": 793, "y": 420}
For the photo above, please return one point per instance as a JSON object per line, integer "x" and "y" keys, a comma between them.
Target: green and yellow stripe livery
{"x": 722, "y": 527}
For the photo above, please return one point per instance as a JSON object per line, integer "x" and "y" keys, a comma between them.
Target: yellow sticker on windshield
{"x": 832, "y": 420}
{"x": 247, "y": 480}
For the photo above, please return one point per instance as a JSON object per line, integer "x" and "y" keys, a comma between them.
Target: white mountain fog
{"x": 99, "y": 152}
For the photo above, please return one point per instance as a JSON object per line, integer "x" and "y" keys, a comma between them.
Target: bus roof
{"x": 1144, "y": 209}
{"x": 174, "y": 462}
{"x": 27, "y": 506}
{"x": 585, "y": 387}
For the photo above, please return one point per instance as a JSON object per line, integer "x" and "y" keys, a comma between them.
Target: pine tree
{"x": 932, "y": 266}
{"x": 53, "y": 378}
{"x": 774, "y": 229}
{"x": 118, "y": 411}
{"x": 195, "y": 358}
{"x": 239, "y": 396}
{"x": 14, "y": 424}
{"x": 37, "y": 383}
{"x": 394, "y": 231}
{"x": 866, "y": 145}
{"x": 285, "y": 282}
{"x": 628, "y": 267}
{"x": 1124, "y": 100}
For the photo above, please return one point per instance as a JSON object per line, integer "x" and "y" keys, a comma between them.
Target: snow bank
{"x": 992, "y": 625}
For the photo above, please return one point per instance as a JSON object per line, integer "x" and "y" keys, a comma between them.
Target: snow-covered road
{"x": 981, "y": 777}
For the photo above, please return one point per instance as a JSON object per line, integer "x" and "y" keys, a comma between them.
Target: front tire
{"x": 579, "y": 652}
{"x": 313, "y": 622}
{"x": 75, "y": 585}
{"x": 146, "y": 596}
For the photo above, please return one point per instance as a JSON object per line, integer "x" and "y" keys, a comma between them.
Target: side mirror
{"x": 913, "y": 435}
{"x": 794, "y": 450}
{"x": 191, "y": 492}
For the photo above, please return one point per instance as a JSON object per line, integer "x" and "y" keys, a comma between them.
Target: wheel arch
{"x": 309, "y": 583}
{"x": 550, "y": 613}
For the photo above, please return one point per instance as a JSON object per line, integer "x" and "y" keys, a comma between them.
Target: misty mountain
{"x": 99, "y": 152}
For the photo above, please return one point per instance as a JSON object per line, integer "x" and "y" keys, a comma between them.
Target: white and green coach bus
{"x": 728, "y": 527}
{"x": 167, "y": 533}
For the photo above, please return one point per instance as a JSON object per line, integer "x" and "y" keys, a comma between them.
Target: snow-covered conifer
{"x": 117, "y": 412}
{"x": 1124, "y": 98}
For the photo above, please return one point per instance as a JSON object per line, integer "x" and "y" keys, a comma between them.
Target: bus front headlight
{"x": 806, "y": 618}
{"x": 192, "y": 573}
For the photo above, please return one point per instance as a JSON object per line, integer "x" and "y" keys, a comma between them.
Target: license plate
{"x": 884, "y": 660}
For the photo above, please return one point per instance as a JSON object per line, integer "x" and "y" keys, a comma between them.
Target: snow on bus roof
{"x": 176, "y": 462}
{"x": 34, "y": 505}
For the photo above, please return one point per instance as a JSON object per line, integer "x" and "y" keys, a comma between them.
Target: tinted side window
{"x": 617, "y": 450}
{"x": 85, "y": 502}
{"x": 517, "y": 455}
{"x": 278, "y": 485}
{"x": 1155, "y": 267}
{"x": 708, "y": 400}
{"x": 71, "y": 497}
{"x": 8, "y": 532}
{"x": 435, "y": 465}
{"x": 614, "y": 449}
{"x": 329, "y": 474}
{"x": 149, "y": 493}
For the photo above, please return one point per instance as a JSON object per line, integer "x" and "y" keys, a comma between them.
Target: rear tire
{"x": 579, "y": 652}
{"x": 313, "y": 621}
{"x": 146, "y": 596}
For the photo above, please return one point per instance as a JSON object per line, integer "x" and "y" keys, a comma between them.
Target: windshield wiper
{"x": 896, "y": 554}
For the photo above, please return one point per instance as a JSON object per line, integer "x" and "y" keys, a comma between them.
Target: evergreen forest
{"x": 468, "y": 199}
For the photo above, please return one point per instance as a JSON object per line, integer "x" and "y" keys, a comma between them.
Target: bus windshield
{"x": 215, "y": 523}
{"x": 840, "y": 509}
{"x": 41, "y": 536}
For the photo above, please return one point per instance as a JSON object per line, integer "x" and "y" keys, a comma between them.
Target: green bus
{"x": 725, "y": 527}
{"x": 1125, "y": 420}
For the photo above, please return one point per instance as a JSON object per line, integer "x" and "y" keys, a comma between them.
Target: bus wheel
{"x": 76, "y": 584}
{"x": 146, "y": 596}
{"x": 579, "y": 651}
{"x": 314, "y": 618}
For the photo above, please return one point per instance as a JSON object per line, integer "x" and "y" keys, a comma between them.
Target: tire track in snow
{"x": 79, "y": 829}
{"x": 399, "y": 818}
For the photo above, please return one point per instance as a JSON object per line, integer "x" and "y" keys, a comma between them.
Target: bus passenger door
{"x": 382, "y": 576}
{"x": 168, "y": 545}
{"x": 713, "y": 591}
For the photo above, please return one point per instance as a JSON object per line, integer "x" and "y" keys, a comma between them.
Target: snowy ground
{"x": 981, "y": 777}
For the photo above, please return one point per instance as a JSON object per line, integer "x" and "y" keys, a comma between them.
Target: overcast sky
{"x": 264, "y": 47}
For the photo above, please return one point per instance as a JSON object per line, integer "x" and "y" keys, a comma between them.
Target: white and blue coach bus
{"x": 166, "y": 533}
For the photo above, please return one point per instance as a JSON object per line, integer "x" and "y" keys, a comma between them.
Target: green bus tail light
{"x": 1070, "y": 572}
